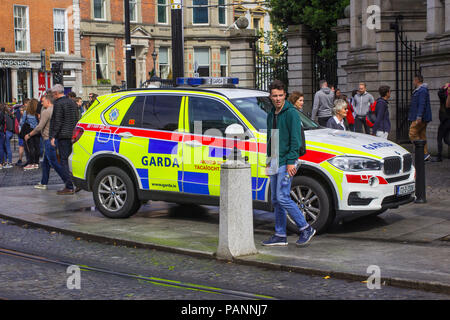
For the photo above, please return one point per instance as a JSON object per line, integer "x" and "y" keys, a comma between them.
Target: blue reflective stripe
{"x": 106, "y": 142}
{"x": 143, "y": 175}
{"x": 162, "y": 146}
{"x": 195, "y": 182}
{"x": 215, "y": 152}
{"x": 259, "y": 188}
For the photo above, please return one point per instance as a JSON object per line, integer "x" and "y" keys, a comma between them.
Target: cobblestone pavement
{"x": 27, "y": 279}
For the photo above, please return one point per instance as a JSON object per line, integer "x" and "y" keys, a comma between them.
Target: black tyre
{"x": 314, "y": 201}
{"x": 115, "y": 194}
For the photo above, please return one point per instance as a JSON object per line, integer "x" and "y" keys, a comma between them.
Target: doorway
{"x": 5, "y": 85}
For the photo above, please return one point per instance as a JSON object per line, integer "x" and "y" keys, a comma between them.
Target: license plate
{"x": 405, "y": 189}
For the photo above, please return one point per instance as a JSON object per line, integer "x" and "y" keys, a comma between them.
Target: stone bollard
{"x": 236, "y": 209}
{"x": 421, "y": 196}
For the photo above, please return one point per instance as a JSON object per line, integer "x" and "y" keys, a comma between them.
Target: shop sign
{"x": 16, "y": 64}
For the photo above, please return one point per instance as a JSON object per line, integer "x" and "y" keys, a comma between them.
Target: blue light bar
{"x": 220, "y": 81}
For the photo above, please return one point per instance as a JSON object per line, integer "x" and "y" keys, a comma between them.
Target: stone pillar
{"x": 368, "y": 35}
{"x": 236, "y": 211}
{"x": 435, "y": 17}
{"x": 35, "y": 92}
{"x": 14, "y": 84}
{"x": 343, "y": 46}
{"x": 299, "y": 61}
{"x": 355, "y": 23}
{"x": 242, "y": 56}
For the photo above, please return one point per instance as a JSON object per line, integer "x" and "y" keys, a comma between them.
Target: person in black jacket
{"x": 62, "y": 123}
{"x": 382, "y": 125}
{"x": 444, "y": 118}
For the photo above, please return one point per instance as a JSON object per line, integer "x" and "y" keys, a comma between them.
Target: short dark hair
{"x": 383, "y": 90}
{"x": 72, "y": 94}
{"x": 277, "y": 85}
{"x": 115, "y": 88}
{"x": 419, "y": 77}
{"x": 322, "y": 82}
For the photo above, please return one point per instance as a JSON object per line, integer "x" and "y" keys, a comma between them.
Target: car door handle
{"x": 126, "y": 135}
{"x": 193, "y": 144}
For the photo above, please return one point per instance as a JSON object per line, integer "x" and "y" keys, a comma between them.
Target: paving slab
{"x": 392, "y": 243}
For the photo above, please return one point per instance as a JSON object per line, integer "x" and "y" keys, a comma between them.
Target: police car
{"x": 168, "y": 144}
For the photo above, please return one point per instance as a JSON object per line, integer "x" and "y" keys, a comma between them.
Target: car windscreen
{"x": 255, "y": 109}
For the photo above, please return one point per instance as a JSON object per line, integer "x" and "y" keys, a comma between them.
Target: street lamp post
{"x": 154, "y": 55}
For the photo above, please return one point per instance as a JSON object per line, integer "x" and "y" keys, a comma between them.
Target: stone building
{"x": 27, "y": 28}
{"x": 206, "y": 32}
{"x": 103, "y": 43}
{"x": 370, "y": 51}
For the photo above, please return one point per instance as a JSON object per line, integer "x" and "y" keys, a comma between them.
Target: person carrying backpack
{"x": 284, "y": 131}
{"x": 382, "y": 125}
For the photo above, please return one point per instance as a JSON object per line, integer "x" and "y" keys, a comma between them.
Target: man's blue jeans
{"x": 8, "y": 137}
{"x": 280, "y": 188}
{"x": 51, "y": 161}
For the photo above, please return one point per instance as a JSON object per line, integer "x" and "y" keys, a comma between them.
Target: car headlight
{"x": 345, "y": 163}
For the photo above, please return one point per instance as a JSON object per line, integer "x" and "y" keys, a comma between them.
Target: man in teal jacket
{"x": 283, "y": 144}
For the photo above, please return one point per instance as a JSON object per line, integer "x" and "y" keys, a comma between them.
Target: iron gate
{"x": 269, "y": 68}
{"x": 406, "y": 67}
{"x": 322, "y": 68}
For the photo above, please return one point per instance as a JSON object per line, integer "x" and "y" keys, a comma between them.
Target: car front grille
{"x": 407, "y": 162}
{"x": 392, "y": 165}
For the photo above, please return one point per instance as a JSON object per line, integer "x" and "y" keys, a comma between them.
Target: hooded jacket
{"x": 323, "y": 103}
{"x": 420, "y": 104}
{"x": 290, "y": 136}
{"x": 362, "y": 103}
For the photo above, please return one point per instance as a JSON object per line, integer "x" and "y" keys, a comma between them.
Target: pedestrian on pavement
{"x": 92, "y": 98}
{"x": 420, "y": 113}
{"x": 340, "y": 110}
{"x": 382, "y": 125}
{"x": 62, "y": 123}
{"x": 19, "y": 110}
{"x": 32, "y": 145}
{"x": 9, "y": 133}
{"x": 284, "y": 134}
{"x": 323, "y": 104}
{"x": 2, "y": 134}
{"x": 337, "y": 94}
{"x": 43, "y": 128}
{"x": 297, "y": 99}
{"x": 362, "y": 103}
{"x": 79, "y": 102}
{"x": 444, "y": 119}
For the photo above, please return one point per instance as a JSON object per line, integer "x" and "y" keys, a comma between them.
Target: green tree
{"x": 320, "y": 16}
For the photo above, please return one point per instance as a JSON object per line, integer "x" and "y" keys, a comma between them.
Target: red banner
{"x": 42, "y": 83}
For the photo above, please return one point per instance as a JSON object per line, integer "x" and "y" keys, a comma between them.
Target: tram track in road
{"x": 149, "y": 279}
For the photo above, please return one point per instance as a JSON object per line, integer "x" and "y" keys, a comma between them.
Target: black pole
{"x": 420, "y": 171}
{"x": 128, "y": 44}
{"x": 177, "y": 40}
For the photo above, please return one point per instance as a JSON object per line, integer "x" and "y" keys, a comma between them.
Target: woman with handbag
{"x": 28, "y": 123}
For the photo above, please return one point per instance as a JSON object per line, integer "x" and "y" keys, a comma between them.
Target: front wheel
{"x": 314, "y": 202}
{"x": 115, "y": 194}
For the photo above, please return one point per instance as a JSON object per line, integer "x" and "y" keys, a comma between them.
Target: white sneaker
{"x": 8, "y": 166}
{"x": 41, "y": 186}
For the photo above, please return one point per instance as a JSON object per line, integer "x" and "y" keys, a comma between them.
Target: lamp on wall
{"x": 154, "y": 55}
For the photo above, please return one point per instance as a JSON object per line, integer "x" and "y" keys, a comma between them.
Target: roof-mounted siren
{"x": 209, "y": 82}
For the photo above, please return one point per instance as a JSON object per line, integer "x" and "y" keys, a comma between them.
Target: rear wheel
{"x": 313, "y": 200}
{"x": 115, "y": 194}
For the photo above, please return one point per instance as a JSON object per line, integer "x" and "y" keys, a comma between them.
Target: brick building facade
{"x": 103, "y": 43}
{"x": 28, "y": 26}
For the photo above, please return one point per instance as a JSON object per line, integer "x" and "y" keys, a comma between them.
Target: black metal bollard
{"x": 421, "y": 196}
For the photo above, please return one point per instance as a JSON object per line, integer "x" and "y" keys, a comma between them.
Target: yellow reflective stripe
{"x": 186, "y": 114}
{"x": 331, "y": 148}
{"x": 338, "y": 176}
{"x": 181, "y": 116}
